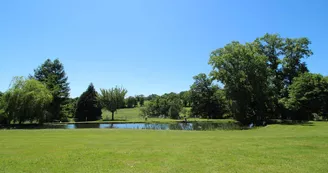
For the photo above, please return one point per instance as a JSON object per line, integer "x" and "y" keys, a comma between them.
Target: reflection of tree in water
{"x": 209, "y": 126}
{"x": 181, "y": 126}
{"x": 156, "y": 126}
{"x": 90, "y": 125}
{"x": 161, "y": 126}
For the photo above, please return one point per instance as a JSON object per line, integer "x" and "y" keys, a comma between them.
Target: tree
{"x": 271, "y": 46}
{"x": 307, "y": 95}
{"x": 151, "y": 97}
{"x": 69, "y": 108}
{"x": 245, "y": 76}
{"x": 142, "y": 101}
{"x": 26, "y": 100}
{"x": 167, "y": 105}
{"x": 294, "y": 51}
{"x": 112, "y": 99}
{"x": 3, "y": 115}
{"x": 206, "y": 98}
{"x": 185, "y": 97}
{"x": 88, "y": 107}
{"x": 131, "y": 102}
{"x": 52, "y": 74}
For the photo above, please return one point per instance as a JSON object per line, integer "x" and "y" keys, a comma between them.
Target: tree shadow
{"x": 291, "y": 122}
{"x": 116, "y": 119}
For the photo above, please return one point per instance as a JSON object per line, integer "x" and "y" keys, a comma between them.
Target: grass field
{"x": 275, "y": 148}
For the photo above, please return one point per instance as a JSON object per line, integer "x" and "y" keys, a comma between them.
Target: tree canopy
{"x": 53, "y": 75}
{"x": 88, "y": 107}
{"x": 207, "y": 100}
{"x": 166, "y": 106}
{"x": 307, "y": 95}
{"x": 26, "y": 100}
{"x": 112, "y": 99}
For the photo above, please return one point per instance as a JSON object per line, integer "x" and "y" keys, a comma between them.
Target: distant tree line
{"x": 251, "y": 82}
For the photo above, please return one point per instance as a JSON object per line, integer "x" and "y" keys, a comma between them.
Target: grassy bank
{"x": 275, "y": 148}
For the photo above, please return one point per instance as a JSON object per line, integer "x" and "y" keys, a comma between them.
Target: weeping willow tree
{"x": 26, "y": 100}
{"x": 112, "y": 99}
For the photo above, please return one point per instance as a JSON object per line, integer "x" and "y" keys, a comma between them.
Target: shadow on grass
{"x": 291, "y": 122}
{"x": 109, "y": 120}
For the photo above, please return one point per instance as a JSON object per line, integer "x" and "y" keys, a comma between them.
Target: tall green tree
{"x": 271, "y": 45}
{"x": 206, "y": 98}
{"x": 307, "y": 95}
{"x": 294, "y": 51}
{"x": 26, "y": 100}
{"x": 88, "y": 107}
{"x": 112, "y": 99}
{"x": 53, "y": 75}
{"x": 245, "y": 76}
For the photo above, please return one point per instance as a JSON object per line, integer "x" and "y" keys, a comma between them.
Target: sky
{"x": 146, "y": 46}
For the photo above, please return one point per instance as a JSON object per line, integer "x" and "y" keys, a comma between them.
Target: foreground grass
{"x": 275, "y": 148}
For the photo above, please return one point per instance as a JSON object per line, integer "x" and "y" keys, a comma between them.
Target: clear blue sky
{"x": 148, "y": 46}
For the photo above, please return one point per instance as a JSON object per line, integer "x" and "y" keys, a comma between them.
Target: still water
{"x": 158, "y": 126}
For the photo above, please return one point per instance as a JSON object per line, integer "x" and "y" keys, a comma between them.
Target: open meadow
{"x": 274, "y": 148}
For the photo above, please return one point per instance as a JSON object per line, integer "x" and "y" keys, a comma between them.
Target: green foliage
{"x": 307, "y": 95}
{"x": 112, "y": 99}
{"x": 168, "y": 105}
{"x": 3, "y": 114}
{"x": 244, "y": 73}
{"x": 69, "y": 108}
{"x": 142, "y": 101}
{"x": 151, "y": 97}
{"x": 88, "y": 107}
{"x": 26, "y": 100}
{"x": 207, "y": 100}
{"x": 186, "y": 98}
{"x": 254, "y": 76}
{"x": 52, "y": 74}
{"x": 294, "y": 51}
{"x": 131, "y": 102}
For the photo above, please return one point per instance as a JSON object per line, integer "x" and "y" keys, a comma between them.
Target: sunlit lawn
{"x": 275, "y": 148}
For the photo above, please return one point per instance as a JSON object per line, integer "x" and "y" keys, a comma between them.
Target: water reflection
{"x": 158, "y": 126}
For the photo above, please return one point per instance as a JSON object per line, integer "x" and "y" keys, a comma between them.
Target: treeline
{"x": 268, "y": 78}
{"x": 261, "y": 80}
{"x": 252, "y": 83}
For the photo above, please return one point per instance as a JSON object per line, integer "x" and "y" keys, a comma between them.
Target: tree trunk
{"x": 112, "y": 116}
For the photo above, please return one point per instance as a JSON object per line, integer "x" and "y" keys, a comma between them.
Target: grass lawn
{"x": 275, "y": 148}
{"x": 123, "y": 114}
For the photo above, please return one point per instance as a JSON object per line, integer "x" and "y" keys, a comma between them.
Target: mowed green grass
{"x": 124, "y": 114}
{"x": 275, "y": 148}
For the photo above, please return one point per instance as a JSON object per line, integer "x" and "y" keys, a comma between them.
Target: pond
{"x": 153, "y": 126}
